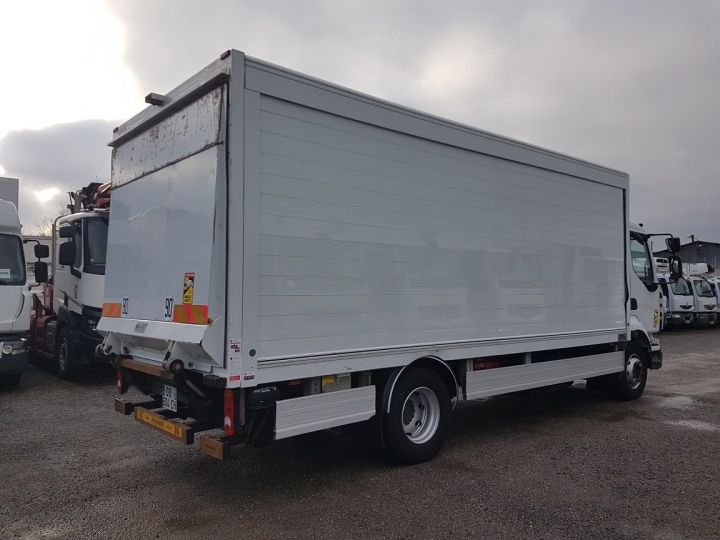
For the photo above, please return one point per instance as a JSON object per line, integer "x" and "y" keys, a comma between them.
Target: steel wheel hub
{"x": 62, "y": 356}
{"x": 421, "y": 415}
{"x": 634, "y": 370}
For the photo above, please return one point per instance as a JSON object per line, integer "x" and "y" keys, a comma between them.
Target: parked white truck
{"x": 14, "y": 301}
{"x": 679, "y": 303}
{"x": 65, "y": 315}
{"x": 286, "y": 255}
{"x": 706, "y": 303}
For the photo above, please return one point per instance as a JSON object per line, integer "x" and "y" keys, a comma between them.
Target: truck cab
{"x": 679, "y": 302}
{"x": 14, "y": 301}
{"x": 64, "y": 321}
{"x": 705, "y": 302}
{"x": 715, "y": 285}
{"x": 645, "y": 301}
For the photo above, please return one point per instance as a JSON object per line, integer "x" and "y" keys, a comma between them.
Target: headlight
{"x": 14, "y": 347}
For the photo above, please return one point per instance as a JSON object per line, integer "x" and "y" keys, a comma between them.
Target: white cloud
{"x": 46, "y": 195}
{"x": 62, "y": 62}
{"x": 54, "y": 160}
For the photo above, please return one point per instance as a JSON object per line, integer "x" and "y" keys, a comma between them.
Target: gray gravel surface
{"x": 564, "y": 464}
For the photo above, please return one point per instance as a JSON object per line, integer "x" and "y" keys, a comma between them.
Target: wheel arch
{"x": 434, "y": 363}
{"x": 640, "y": 336}
{"x": 65, "y": 319}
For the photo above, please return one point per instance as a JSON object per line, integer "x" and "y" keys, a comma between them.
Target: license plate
{"x": 169, "y": 398}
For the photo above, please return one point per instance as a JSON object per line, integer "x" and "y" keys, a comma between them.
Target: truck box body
{"x": 9, "y": 190}
{"x": 275, "y": 226}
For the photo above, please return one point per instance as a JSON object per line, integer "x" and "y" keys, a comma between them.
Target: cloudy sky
{"x": 633, "y": 85}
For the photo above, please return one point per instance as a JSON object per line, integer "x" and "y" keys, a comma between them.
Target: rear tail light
{"x": 229, "y": 410}
{"x": 485, "y": 363}
{"x": 122, "y": 385}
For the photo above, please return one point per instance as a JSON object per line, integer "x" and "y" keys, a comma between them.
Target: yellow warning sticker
{"x": 188, "y": 287}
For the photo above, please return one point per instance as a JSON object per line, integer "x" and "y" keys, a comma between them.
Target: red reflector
{"x": 485, "y": 363}
{"x": 229, "y": 411}
{"x": 122, "y": 385}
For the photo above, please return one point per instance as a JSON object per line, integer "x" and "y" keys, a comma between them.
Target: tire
{"x": 420, "y": 402}
{"x": 631, "y": 382}
{"x": 700, "y": 324}
{"x": 63, "y": 355}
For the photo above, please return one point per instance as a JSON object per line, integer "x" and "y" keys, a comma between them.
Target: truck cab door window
{"x": 640, "y": 260}
{"x": 96, "y": 233}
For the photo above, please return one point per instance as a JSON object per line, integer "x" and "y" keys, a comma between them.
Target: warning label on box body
{"x": 188, "y": 287}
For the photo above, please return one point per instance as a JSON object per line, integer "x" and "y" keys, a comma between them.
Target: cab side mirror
{"x": 41, "y": 271}
{"x": 41, "y": 251}
{"x": 675, "y": 264}
{"x": 66, "y": 257}
{"x": 673, "y": 244}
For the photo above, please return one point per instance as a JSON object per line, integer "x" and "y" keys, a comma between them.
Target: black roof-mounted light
{"x": 155, "y": 99}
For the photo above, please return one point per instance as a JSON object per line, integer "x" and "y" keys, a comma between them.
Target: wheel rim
{"x": 634, "y": 370}
{"x": 62, "y": 356}
{"x": 421, "y": 415}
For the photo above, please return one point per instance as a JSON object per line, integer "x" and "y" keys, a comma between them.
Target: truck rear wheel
{"x": 631, "y": 382}
{"x": 418, "y": 422}
{"x": 63, "y": 355}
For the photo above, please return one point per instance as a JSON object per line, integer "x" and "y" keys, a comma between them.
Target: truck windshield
{"x": 12, "y": 260}
{"x": 703, "y": 288}
{"x": 681, "y": 287}
{"x": 96, "y": 232}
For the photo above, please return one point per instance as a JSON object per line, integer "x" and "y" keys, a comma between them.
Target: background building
{"x": 698, "y": 251}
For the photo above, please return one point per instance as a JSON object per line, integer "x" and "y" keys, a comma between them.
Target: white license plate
{"x": 169, "y": 399}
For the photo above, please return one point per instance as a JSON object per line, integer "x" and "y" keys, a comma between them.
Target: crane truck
{"x": 65, "y": 315}
{"x": 286, "y": 255}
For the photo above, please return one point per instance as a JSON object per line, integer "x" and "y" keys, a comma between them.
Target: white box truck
{"x": 9, "y": 190}
{"x": 286, "y": 255}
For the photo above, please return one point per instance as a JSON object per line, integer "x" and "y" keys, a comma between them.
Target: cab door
{"x": 644, "y": 293}
{"x": 67, "y": 277}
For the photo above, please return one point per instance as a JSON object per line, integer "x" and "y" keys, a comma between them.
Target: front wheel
{"x": 63, "y": 355}
{"x": 631, "y": 382}
{"x": 419, "y": 418}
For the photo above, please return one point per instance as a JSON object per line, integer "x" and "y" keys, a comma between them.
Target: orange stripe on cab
{"x": 111, "y": 309}
{"x": 190, "y": 313}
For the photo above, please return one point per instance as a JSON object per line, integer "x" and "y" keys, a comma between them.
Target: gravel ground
{"x": 563, "y": 464}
